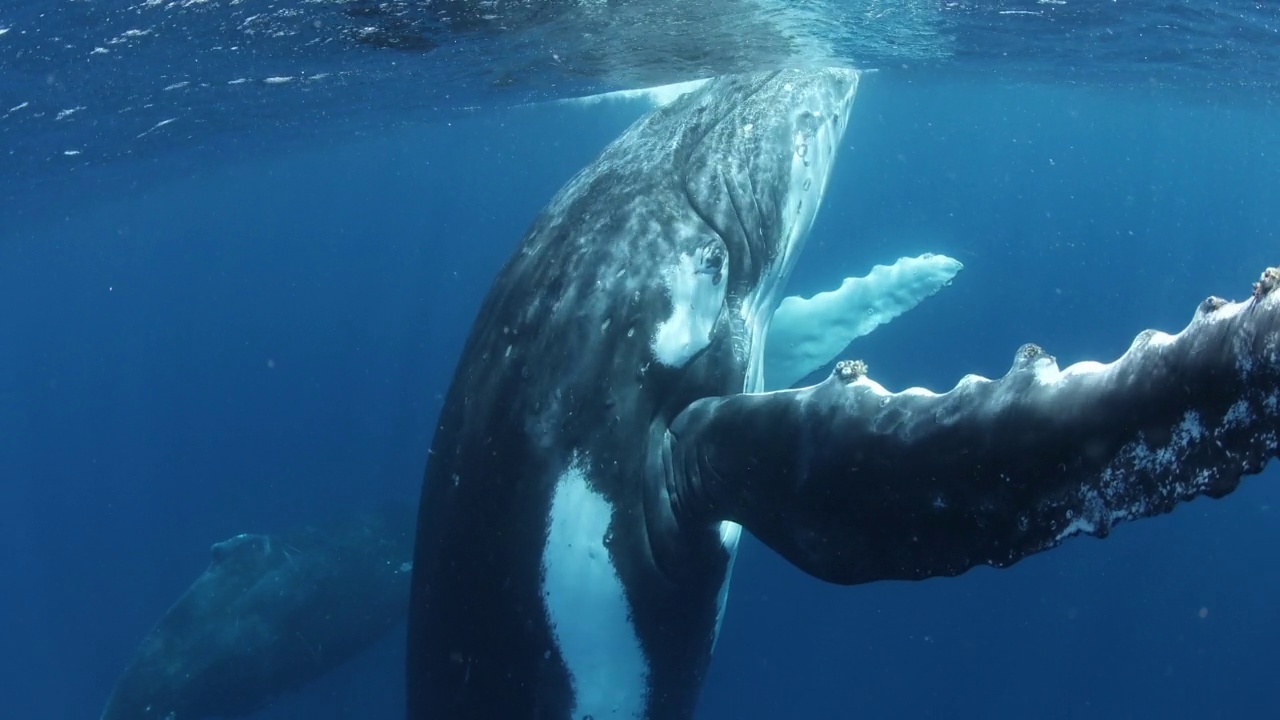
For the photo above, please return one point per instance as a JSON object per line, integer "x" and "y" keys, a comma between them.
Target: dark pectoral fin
{"x": 854, "y": 484}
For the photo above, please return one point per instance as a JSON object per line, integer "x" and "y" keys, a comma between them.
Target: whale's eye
{"x": 715, "y": 257}
{"x": 715, "y": 262}
{"x": 712, "y": 262}
{"x": 807, "y": 123}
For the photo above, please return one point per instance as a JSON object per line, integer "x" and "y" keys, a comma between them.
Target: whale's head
{"x": 753, "y": 156}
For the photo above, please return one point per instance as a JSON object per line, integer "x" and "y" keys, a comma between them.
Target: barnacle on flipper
{"x": 850, "y": 370}
{"x": 1027, "y": 357}
{"x": 1214, "y": 303}
{"x": 1269, "y": 280}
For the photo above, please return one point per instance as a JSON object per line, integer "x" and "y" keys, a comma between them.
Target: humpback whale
{"x": 552, "y": 577}
{"x": 271, "y": 613}
{"x": 606, "y": 436}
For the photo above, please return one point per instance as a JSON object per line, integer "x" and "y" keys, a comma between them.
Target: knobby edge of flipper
{"x": 853, "y": 483}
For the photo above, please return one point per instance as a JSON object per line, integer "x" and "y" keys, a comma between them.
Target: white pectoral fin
{"x": 653, "y": 97}
{"x": 808, "y": 333}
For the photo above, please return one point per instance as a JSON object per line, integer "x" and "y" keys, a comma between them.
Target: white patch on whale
{"x": 586, "y": 605}
{"x": 697, "y": 295}
{"x": 730, "y": 534}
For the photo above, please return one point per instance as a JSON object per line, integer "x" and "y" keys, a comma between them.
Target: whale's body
{"x": 605, "y": 438}
{"x": 553, "y": 580}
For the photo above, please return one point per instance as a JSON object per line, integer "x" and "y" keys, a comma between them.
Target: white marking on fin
{"x": 656, "y": 96}
{"x": 587, "y": 606}
{"x": 807, "y": 333}
{"x": 1104, "y": 506}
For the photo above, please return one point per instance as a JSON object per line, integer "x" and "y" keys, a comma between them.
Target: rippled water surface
{"x": 88, "y": 81}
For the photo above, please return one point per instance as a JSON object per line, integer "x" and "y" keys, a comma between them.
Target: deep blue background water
{"x": 252, "y": 346}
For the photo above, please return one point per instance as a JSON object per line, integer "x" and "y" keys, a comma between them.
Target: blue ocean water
{"x": 194, "y": 346}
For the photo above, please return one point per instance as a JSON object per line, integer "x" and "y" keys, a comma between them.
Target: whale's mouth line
{"x": 688, "y": 192}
